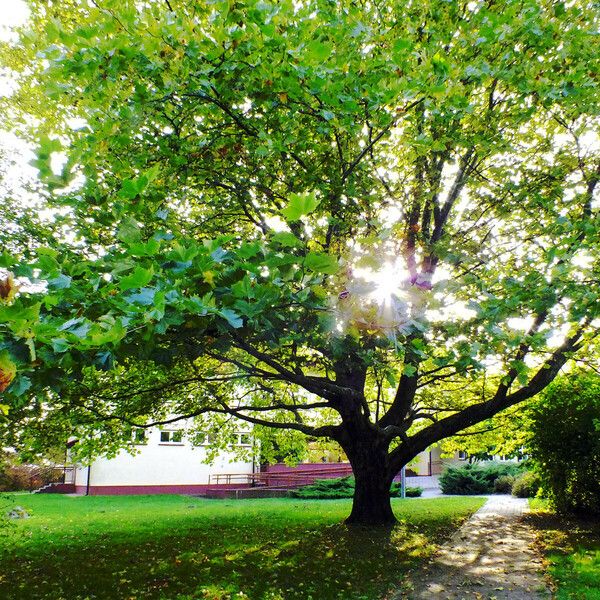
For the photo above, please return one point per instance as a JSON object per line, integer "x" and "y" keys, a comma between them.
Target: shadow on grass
{"x": 331, "y": 562}
{"x": 218, "y": 554}
{"x": 571, "y": 546}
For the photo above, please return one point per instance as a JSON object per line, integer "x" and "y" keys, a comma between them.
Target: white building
{"x": 165, "y": 462}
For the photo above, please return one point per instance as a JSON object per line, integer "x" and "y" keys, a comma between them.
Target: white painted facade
{"x": 166, "y": 461}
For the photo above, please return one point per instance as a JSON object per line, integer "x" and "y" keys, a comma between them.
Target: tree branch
{"x": 350, "y": 168}
{"x": 484, "y": 410}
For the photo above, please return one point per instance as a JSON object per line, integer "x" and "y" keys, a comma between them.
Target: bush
{"x": 469, "y": 479}
{"x": 526, "y": 485}
{"x": 503, "y": 485}
{"x": 411, "y": 492}
{"x": 478, "y": 478}
{"x": 323, "y": 489}
{"x": 15, "y": 477}
{"x": 565, "y": 442}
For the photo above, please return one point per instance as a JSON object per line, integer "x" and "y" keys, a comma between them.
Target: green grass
{"x": 175, "y": 547}
{"x": 572, "y": 550}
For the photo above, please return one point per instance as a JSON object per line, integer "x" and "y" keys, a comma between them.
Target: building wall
{"x": 158, "y": 466}
{"x": 430, "y": 462}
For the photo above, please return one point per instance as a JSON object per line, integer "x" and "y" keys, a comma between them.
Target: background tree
{"x": 317, "y": 216}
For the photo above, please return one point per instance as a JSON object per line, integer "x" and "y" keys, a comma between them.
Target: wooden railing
{"x": 45, "y": 476}
{"x": 285, "y": 479}
{"x": 54, "y": 474}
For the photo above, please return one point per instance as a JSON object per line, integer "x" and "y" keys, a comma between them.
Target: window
{"x": 171, "y": 436}
{"x": 138, "y": 436}
{"x": 462, "y": 455}
{"x": 206, "y": 439}
{"x": 237, "y": 439}
{"x": 245, "y": 439}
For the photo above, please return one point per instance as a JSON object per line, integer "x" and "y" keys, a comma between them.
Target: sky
{"x": 14, "y": 12}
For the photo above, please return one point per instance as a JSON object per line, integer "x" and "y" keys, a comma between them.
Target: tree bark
{"x": 371, "y": 504}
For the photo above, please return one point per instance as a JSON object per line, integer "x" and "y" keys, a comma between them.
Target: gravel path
{"x": 491, "y": 557}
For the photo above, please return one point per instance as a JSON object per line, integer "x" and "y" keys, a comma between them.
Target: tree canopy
{"x": 336, "y": 218}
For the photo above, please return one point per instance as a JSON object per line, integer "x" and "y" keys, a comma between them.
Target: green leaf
{"x": 409, "y": 370}
{"x": 82, "y": 331}
{"x": 19, "y": 387}
{"x": 391, "y": 379}
{"x": 138, "y": 279}
{"x": 129, "y": 231}
{"x": 6, "y": 260}
{"x": 145, "y": 297}
{"x": 318, "y": 51}
{"x": 149, "y": 248}
{"x": 31, "y": 345}
{"x": 60, "y": 283}
{"x": 232, "y": 318}
{"x": 16, "y": 313}
{"x": 400, "y": 49}
{"x": 47, "y": 261}
{"x": 321, "y": 263}
{"x": 286, "y": 239}
{"x": 60, "y": 345}
{"x": 249, "y": 250}
{"x": 131, "y": 188}
{"x": 299, "y": 205}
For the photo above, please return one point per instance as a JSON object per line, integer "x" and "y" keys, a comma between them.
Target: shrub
{"x": 565, "y": 442}
{"x": 478, "y": 478}
{"x": 464, "y": 480}
{"x": 411, "y": 492}
{"x": 504, "y": 483}
{"x": 526, "y": 485}
{"x": 323, "y": 489}
{"x": 15, "y": 477}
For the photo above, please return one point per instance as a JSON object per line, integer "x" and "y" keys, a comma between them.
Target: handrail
{"x": 280, "y": 479}
{"x": 54, "y": 473}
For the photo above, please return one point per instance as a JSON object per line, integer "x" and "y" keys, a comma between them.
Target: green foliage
{"x": 565, "y": 442}
{"x": 572, "y": 550}
{"x": 504, "y": 484}
{"x": 289, "y": 447}
{"x": 158, "y": 547}
{"x": 343, "y": 487}
{"x": 505, "y": 434}
{"x": 476, "y": 478}
{"x": 299, "y": 205}
{"x": 411, "y": 492}
{"x": 526, "y": 485}
{"x": 17, "y": 476}
{"x": 229, "y": 171}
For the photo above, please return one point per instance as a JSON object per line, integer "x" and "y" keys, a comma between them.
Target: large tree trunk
{"x": 371, "y": 504}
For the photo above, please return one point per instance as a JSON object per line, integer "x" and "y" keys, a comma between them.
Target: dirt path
{"x": 491, "y": 557}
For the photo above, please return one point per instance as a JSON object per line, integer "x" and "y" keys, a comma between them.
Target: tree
{"x": 323, "y": 217}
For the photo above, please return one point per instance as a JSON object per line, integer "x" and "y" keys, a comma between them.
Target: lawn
{"x": 572, "y": 549}
{"x": 176, "y": 547}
